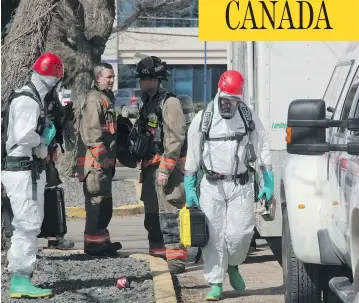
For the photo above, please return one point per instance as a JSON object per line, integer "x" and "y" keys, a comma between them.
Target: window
{"x": 181, "y": 14}
{"x": 356, "y": 115}
{"x": 122, "y": 94}
{"x": 126, "y": 78}
{"x": 336, "y": 85}
{"x": 184, "y": 79}
{"x": 349, "y": 100}
{"x": 125, "y": 93}
{"x": 125, "y": 8}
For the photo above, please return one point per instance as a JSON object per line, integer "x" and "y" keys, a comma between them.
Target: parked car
{"x": 65, "y": 96}
{"x": 320, "y": 192}
{"x": 127, "y": 100}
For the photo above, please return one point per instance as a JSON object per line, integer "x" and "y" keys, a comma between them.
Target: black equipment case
{"x": 54, "y": 223}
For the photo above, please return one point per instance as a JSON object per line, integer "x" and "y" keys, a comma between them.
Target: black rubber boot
{"x": 60, "y": 243}
{"x": 176, "y": 266}
{"x": 105, "y": 250}
{"x": 116, "y": 245}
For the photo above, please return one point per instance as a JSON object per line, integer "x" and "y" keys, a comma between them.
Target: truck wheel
{"x": 301, "y": 280}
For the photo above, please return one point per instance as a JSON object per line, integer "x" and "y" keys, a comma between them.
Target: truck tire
{"x": 301, "y": 280}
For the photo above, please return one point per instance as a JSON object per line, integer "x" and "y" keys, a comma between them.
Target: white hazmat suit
{"x": 28, "y": 214}
{"x": 229, "y": 208}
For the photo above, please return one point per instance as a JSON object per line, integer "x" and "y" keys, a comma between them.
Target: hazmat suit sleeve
{"x": 25, "y": 112}
{"x": 174, "y": 131}
{"x": 90, "y": 129}
{"x": 261, "y": 144}
{"x": 193, "y": 146}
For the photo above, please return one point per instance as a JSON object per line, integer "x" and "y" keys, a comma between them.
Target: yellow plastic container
{"x": 193, "y": 227}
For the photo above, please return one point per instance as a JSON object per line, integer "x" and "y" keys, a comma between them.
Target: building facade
{"x": 171, "y": 35}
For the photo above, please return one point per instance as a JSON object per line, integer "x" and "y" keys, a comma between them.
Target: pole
{"x": 205, "y": 75}
{"x": 204, "y": 84}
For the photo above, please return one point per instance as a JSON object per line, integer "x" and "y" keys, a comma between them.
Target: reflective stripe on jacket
{"x": 97, "y": 132}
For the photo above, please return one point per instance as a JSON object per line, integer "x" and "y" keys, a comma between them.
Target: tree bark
{"x": 77, "y": 31}
{"x": 24, "y": 43}
{"x": 78, "y": 34}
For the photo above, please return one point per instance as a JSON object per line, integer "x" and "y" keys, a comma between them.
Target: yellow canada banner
{"x": 280, "y": 20}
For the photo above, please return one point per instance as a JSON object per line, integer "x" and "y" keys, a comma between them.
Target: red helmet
{"x": 49, "y": 64}
{"x": 231, "y": 82}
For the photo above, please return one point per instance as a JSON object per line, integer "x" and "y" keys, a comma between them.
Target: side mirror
{"x": 306, "y": 127}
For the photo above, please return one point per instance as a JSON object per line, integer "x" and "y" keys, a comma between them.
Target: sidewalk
{"x": 262, "y": 273}
{"x": 128, "y": 230}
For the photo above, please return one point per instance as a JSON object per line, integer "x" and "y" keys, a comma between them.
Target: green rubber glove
{"x": 268, "y": 187}
{"x": 190, "y": 190}
{"x": 49, "y": 133}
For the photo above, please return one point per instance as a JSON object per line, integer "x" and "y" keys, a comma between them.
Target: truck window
{"x": 348, "y": 103}
{"x": 356, "y": 115}
{"x": 336, "y": 84}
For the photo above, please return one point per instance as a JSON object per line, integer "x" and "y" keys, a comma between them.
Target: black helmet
{"x": 151, "y": 66}
{"x": 123, "y": 152}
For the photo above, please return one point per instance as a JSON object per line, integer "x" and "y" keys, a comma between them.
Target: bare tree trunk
{"x": 78, "y": 34}
{"x": 77, "y": 31}
{"x": 24, "y": 43}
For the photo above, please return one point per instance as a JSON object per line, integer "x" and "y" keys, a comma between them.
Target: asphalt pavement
{"x": 123, "y": 173}
{"x": 262, "y": 273}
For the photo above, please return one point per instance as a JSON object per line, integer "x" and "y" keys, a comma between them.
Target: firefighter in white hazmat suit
{"x": 28, "y": 135}
{"x": 219, "y": 147}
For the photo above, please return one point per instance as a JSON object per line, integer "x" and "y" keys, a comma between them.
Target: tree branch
{"x": 7, "y": 9}
{"x": 141, "y": 9}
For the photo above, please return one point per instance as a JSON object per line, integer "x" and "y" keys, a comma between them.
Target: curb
{"x": 125, "y": 210}
{"x": 162, "y": 280}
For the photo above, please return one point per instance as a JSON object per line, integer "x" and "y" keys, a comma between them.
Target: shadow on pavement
{"x": 177, "y": 288}
{"x": 193, "y": 267}
{"x": 82, "y": 257}
{"x": 203, "y": 286}
{"x": 259, "y": 259}
{"x": 269, "y": 291}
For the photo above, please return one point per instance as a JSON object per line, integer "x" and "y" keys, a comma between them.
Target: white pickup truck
{"x": 320, "y": 191}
